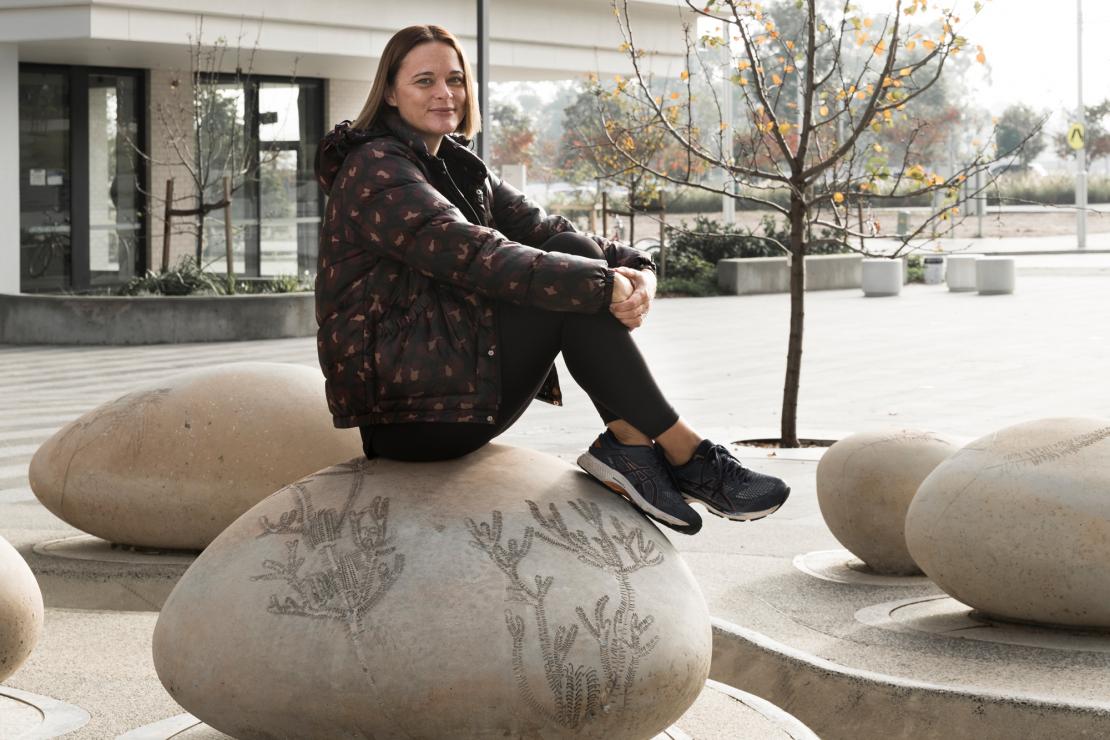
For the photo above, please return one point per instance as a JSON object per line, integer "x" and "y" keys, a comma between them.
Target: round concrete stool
{"x": 1015, "y": 524}
{"x": 171, "y": 464}
{"x": 20, "y": 610}
{"x": 503, "y": 594}
{"x": 865, "y": 483}
{"x": 959, "y": 272}
{"x": 994, "y": 275}
{"x": 882, "y": 277}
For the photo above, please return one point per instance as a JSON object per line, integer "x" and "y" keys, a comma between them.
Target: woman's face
{"x": 430, "y": 91}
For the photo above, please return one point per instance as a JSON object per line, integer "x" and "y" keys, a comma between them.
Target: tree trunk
{"x": 789, "y": 431}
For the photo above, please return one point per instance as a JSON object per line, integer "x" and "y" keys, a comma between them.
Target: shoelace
{"x": 717, "y": 460}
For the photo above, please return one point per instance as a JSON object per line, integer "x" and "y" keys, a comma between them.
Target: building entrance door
{"x": 81, "y": 194}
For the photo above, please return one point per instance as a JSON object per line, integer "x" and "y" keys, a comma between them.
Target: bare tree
{"x": 208, "y": 139}
{"x": 815, "y": 83}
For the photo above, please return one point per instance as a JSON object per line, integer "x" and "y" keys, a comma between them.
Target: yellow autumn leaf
{"x": 790, "y": 45}
{"x": 674, "y": 96}
{"x": 878, "y": 147}
{"x": 838, "y": 197}
{"x": 904, "y": 72}
{"x": 684, "y": 75}
{"x": 930, "y": 45}
{"x": 784, "y": 127}
{"x": 823, "y": 110}
{"x": 868, "y": 22}
{"x": 911, "y": 45}
{"x": 776, "y": 79}
{"x": 981, "y": 57}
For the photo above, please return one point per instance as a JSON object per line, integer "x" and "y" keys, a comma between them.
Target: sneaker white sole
{"x": 617, "y": 483}
{"x": 747, "y": 516}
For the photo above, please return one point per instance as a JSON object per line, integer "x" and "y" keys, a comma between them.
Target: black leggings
{"x": 598, "y": 351}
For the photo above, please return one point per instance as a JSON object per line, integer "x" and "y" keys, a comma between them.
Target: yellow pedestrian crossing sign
{"x": 1076, "y": 135}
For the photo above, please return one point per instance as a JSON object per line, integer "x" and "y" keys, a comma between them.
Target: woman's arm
{"x": 394, "y": 211}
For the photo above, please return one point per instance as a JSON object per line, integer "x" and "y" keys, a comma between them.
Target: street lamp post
{"x": 482, "y": 73}
{"x": 1081, "y": 153}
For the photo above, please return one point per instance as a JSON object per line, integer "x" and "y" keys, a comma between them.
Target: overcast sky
{"x": 1031, "y": 50}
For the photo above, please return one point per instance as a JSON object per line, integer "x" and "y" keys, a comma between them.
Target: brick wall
{"x": 344, "y": 100}
{"x": 169, "y": 113}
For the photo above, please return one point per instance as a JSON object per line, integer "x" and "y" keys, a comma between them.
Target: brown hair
{"x": 395, "y": 51}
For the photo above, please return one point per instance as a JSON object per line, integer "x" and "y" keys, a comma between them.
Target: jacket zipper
{"x": 477, "y": 219}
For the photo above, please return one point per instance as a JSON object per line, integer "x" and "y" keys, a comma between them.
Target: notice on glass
{"x": 55, "y": 177}
{"x": 38, "y": 178}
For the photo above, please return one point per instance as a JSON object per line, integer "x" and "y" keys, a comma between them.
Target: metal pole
{"x": 482, "y": 73}
{"x": 1081, "y": 155}
{"x": 728, "y": 203}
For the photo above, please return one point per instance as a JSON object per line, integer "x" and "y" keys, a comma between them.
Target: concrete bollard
{"x": 882, "y": 277}
{"x": 960, "y": 273}
{"x": 995, "y": 275}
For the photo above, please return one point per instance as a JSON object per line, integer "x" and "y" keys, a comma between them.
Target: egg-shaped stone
{"x": 171, "y": 464}
{"x": 20, "y": 610}
{"x": 1017, "y": 523}
{"x": 865, "y": 483}
{"x": 504, "y": 594}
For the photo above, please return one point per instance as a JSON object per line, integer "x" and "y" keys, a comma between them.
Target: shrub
{"x": 186, "y": 278}
{"x": 693, "y": 253}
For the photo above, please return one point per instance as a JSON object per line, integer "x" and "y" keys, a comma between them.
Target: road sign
{"x": 1076, "y": 136}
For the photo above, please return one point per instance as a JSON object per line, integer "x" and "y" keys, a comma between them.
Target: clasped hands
{"x": 633, "y": 291}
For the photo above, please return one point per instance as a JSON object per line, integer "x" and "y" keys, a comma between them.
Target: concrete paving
{"x": 959, "y": 364}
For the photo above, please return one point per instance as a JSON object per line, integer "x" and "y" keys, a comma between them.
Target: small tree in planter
{"x": 816, "y": 85}
{"x": 209, "y": 140}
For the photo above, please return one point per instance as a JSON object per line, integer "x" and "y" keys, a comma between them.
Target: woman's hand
{"x": 631, "y": 305}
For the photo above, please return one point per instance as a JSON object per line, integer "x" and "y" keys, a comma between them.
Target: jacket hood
{"x": 343, "y": 139}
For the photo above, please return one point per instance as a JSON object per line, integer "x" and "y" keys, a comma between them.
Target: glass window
{"x": 115, "y": 217}
{"x": 264, "y": 135}
{"x": 44, "y": 181}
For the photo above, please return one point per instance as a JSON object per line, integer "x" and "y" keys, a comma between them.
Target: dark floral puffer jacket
{"x": 415, "y": 250}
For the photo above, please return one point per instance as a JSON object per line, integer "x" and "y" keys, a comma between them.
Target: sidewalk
{"x": 958, "y": 364}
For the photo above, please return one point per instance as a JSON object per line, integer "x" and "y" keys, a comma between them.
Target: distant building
{"x": 85, "y": 84}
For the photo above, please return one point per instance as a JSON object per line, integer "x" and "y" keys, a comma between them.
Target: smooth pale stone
{"x": 503, "y": 594}
{"x": 882, "y": 277}
{"x": 171, "y": 464}
{"x": 995, "y": 275}
{"x": 20, "y": 610}
{"x": 865, "y": 483}
{"x": 959, "y": 273}
{"x": 1017, "y": 523}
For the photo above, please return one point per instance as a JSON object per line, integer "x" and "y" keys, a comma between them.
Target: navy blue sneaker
{"x": 641, "y": 475}
{"x": 717, "y": 480}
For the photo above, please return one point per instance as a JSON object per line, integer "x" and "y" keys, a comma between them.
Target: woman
{"x": 443, "y": 296}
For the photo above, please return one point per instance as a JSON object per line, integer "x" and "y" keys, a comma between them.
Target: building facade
{"x": 98, "y": 111}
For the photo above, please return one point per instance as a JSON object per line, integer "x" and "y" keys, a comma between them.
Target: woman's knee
{"x": 570, "y": 242}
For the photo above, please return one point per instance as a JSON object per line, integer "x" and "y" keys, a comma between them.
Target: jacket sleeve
{"x": 521, "y": 219}
{"x": 396, "y": 212}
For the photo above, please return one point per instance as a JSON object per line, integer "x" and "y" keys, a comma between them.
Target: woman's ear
{"x": 390, "y": 97}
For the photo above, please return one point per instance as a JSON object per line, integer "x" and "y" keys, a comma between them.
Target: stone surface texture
{"x": 171, "y": 464}
{"x": 500, "y": 595}
{"x": 865, "y": 483}
{"x": 21, "y": 610}
{"x": 1017, "y": 523}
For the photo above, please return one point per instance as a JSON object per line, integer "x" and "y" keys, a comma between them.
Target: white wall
{"x": 9, "y": 168}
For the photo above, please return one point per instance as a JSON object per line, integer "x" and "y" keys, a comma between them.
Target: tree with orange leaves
{"x": 815, "y": 96}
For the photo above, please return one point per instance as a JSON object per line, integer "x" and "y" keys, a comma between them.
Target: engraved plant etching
{"x": 577, "y": 691}
{"x": 345, "y": 568}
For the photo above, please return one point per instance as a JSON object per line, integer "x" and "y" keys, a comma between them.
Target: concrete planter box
{"x": 750, "y": 275}
{"x": 883, "y": 277}
{"x": 52, "y": 319}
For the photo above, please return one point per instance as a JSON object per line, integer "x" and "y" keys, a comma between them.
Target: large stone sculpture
{"x": 500, "y": 595}
{"x": 171, "y": 464}
{"x": 865, "y": 483}
{"x": 20, "y": 610}
{"x": 1017, "y": 523}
